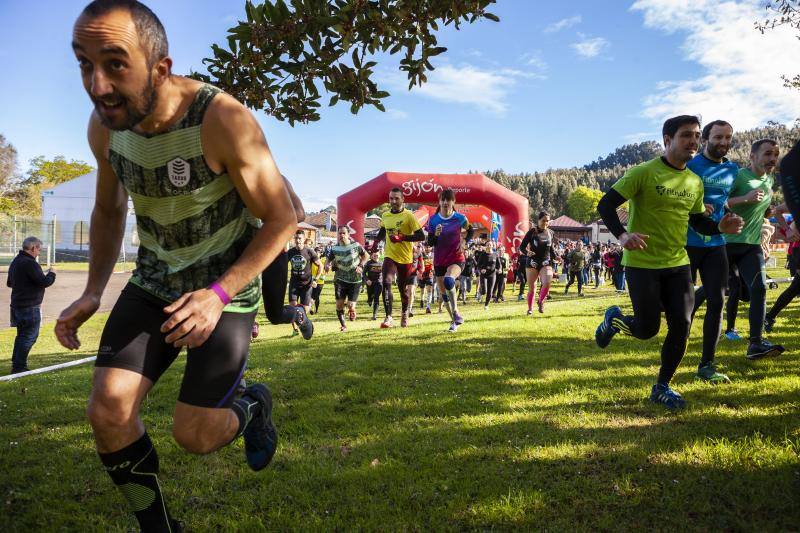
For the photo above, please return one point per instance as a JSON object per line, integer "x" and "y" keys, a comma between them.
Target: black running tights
{"x": 673, "y": 288}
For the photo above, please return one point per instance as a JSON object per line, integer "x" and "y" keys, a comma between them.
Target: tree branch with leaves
{"x": 285, "y": 54}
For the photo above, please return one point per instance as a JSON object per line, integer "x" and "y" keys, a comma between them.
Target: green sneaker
{"x": 708, "y": 372}
{"x": 295, "y": 333}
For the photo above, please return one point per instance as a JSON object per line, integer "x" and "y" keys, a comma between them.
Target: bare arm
{"x": 237, "y": 143}
{"x": 297, "y": 204}
{"x": 105, "y": 233}
{"x": 107, "y": 225}
{"x": 233, "y": 142}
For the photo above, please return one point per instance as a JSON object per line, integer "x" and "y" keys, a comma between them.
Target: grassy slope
{"x": 514, "y": 422}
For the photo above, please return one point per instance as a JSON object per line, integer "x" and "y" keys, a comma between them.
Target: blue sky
{"x": 554, "y": 84}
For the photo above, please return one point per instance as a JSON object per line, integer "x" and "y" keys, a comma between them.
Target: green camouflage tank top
{"x": 192, "y": 223}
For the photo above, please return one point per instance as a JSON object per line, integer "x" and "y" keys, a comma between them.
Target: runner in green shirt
{"x": 348, "y": 257}
{"x": 750, "y": 197}
{"x": 664, "y": 198}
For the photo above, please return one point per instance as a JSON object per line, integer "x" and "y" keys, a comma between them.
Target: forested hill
{"x": 550, "y": 189}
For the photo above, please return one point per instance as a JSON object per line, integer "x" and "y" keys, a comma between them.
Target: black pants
{"x": 273, "y": 288}
{"x": 712, "y": 264}
{"x": 749, "y": 261}
{"x": 792, "y": 290}
{"x": 522, "y": 278}
{"x": 499, "y": 286}
{"x": 673, "y": 289}
{"x": 573, "y": 275}
{"x": 487, "y": 285}
{"x": 374, "y": 293}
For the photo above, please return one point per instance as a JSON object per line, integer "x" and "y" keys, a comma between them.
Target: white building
{"x": 71, "y": 204}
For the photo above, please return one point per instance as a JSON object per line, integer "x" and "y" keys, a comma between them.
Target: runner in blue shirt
{"x": 707, "y": 252}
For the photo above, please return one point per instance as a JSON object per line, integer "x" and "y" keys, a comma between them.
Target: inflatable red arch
{"x": 353, "y": 206}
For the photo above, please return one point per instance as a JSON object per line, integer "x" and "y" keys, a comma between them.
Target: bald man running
{"x": 212, "y": 212}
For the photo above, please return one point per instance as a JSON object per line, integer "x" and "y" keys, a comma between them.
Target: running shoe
{"x": 764, "y": 348}
{"x": 769, "y": 323}
{"x": 485, "y": 307}
{"x": 411, "y": 313}
{"x": 388, "y": 322}
{"x": 606, "y": 330}
{"x": 530, "y": 312}
{"x": 708, "y": 372}
{"x": 520, "y": 297}
{"x": 342, "y": 328}
{"x": 374, "y": 316}
{"x": 352, "y": 314}
{"x": 304, "y": 323}
{"x": 260, "y": 435}
{"x": 733, "y": 335}
{"x": 428, "y": 310}
{"x": 453, "y": 328}
{"x": 667, "y": 397}
{"x": 404, "y": 320}
{"x": 295, "y": 333}
{"x": 254, "y": 330}
{"x": 541, "y": 306}
{"x": 458, "y": 319}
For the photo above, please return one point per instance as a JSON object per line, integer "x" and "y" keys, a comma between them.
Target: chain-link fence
{"x": 65, "y": 243}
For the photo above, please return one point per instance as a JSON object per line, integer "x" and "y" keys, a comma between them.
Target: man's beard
{"x": 717, "y": 152}
{"x": 134, "y": 113}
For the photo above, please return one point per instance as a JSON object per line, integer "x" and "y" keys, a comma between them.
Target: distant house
{"x": 71, "y": 204}
{"x": 600, "y": 232}
{"x": 323, "y": 220}
{"x": 566, "y": 228}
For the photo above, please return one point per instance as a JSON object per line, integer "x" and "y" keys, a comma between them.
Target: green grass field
{"x": 513, "y": 423}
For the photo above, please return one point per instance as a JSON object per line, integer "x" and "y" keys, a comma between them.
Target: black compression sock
{"x": 388, "y": 300}
{"x": 340, "y": 316}
{"x": 134, "y": 470}
{"x": 245, "y": 409}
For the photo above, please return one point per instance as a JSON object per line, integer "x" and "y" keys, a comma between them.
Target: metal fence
{"x": 63, "y": 241}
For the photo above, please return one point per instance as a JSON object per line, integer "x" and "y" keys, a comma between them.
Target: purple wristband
{"x": 220, "y": 292}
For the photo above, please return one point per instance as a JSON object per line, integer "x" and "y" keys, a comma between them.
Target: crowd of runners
{"x": 437, "y": 267}
{"x": 214, "y": 215}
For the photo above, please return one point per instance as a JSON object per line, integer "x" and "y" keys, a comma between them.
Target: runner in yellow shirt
{"x": 399, "y": 228}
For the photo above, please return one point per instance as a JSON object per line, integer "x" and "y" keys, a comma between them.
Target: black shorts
{"x": 426, "y": 282}
{"x": 440, "y": 271}
{"x": 346, "y": 291}
{"x": 132, "y": 340}
{"x": 300, "y": 293}
{"x": 536, "y": 263}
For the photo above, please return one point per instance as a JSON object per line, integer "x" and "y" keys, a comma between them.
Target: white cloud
{"x": 633, "y": 138}
{"x": 563, "y": 24}
{"x": 396, "y": 114}
{"x": 485, "y": 89}
{"x": 742, "y": 68}
{"x": 536, "y": 62}
{"x": 590, "y": 47}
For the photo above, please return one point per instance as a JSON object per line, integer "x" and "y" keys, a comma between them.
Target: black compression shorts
{"x": 440, "y": 271}
{"x": 346, "y": 291}
{"x": 132, "y": 340}
{"x": 300, "y": 293}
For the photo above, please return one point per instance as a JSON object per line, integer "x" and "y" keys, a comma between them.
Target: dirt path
{"x": 68, "y": 286}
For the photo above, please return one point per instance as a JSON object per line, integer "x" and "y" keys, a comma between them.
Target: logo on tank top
{"x": 178, "y": 171}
